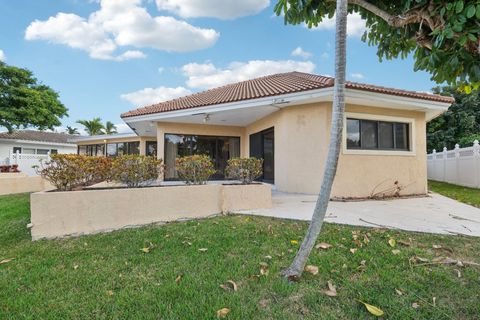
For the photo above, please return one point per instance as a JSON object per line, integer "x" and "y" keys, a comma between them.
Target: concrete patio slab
{"x": 433, "y": 214}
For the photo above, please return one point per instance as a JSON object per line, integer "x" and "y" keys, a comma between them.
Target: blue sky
{"x": 107, "y": 57}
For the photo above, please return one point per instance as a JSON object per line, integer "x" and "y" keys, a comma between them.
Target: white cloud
{"x": 355, "y": 25}
{"x": 3, "y": 57}
{"x": 207, "y": 75}
{"x": 150, "y": 96}
{"x": 357, "y": 75}
{"x": 120, "y": 23}
{"x": 299, "y": 52}
{"x": 222, "y": 9}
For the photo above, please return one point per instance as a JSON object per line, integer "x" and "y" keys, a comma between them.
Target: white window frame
{"x": 375, "y": 117}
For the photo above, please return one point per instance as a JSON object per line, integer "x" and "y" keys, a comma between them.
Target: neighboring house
{"x": 32, "y": 145}
{"x": 285, "y": 119}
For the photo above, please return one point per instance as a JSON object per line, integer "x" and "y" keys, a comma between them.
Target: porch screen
{"x": 219, "y": 149}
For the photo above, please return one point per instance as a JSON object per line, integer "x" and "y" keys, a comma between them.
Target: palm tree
{"x": 72, "y": 130}
{"x": 298, "y": 264}
{"x": 110, "y": 128}
{"x": 93, "y": 127}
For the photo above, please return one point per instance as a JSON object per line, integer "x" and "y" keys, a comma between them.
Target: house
{"x": 32, "y": 145}
{"x": 285, "y": 119}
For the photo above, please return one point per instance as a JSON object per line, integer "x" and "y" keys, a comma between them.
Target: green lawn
{"x": 107, "y": 276}
{"x": 463, "y": 194}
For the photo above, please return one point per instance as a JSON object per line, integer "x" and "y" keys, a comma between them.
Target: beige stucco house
{"x": 285, "y": 119}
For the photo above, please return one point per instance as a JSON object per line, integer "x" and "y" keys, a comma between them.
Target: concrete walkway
{"x": 433, "y": 214}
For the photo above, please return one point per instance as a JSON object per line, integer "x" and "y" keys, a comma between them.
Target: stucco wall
{"x": 11, "y": 183}
{"x": 301, "y": 145}
{"x": 57, "y": 214}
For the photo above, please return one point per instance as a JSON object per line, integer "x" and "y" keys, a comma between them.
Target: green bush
{"x": 244, "y": 169}
{"x": 69, "y": 171}
{"x": 135, "y": 170}
{"x": 194, "y": 169}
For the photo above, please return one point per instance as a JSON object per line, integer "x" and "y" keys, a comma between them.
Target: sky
{"x": 105, "y": 57}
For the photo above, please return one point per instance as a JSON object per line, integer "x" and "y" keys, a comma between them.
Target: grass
{"x": 107, "y": 276}
{"x": 466, "y": 195}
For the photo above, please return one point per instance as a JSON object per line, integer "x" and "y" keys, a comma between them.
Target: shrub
{"x": 244, "y": 169}
{"x": 135, "y": 170}
{"x": 69, "y": 171}
{"x": 194, "y": 169}
{"x": 9, "y": 169}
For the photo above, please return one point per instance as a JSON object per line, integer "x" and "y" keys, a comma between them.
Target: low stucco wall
{"x": 58, "y": 214}
{"x": 11, "y": 183}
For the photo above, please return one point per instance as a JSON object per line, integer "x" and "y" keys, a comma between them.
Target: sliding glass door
{"x": 262, "y": 147}
{"x": 219, "y": 149}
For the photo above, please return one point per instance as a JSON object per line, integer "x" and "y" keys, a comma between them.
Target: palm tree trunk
{"x": 296, "y": 268}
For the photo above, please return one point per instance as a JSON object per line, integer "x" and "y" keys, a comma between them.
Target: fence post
{"x": 444, "y": 158}
{"x": 17, "y": 157}
{"x": 457, "y": 164}
{"x": 434, "y": 164}
{"x": 476, "y": 164}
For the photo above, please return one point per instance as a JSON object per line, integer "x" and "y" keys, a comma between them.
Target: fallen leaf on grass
{"x": 75, "y": 266}
{"x": 263, "y": 303}
{"x": 323, "y": 245}
{"x": 110, "y": 293}
{"x": 268, "y": 257}
{"x": 437, "y": 246}
{"x": 392, "y": 242}
{"x": 353, "y": 250}
{"x": 400, "y": 293}
{"x": 331, "y": 291}
{"x": 294, "y": 241}
{"x": 178, "y": 278}
{"x": 147, "y": 249}
{"x": 459, "y": 274}
{"x": 372, "y": 309}
{"x": 263, "y": 269}
{"x": 434, "y": 301}
{"x": 311, "y": 269}
{"x": 395, "y": 251}
{"x": 405, "y": 243}
{"x": 6, "y": 260}
{"x": 229, "y": 285}
{"x": 202, "y": 249}
{"x": 222, "y": 313}
{"x": 415, "y": 305}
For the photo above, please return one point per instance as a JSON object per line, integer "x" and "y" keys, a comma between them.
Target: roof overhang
{"x": 102, "y": 137}
{"x": 43, "y": 143}
{"x": 244, "y": 112}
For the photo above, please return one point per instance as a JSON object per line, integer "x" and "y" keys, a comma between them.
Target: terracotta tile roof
{"x": 33, "y": 135}
{"x": 269, "y": 86}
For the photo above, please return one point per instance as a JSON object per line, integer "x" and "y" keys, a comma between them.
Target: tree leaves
{"x": 372, "y": 309}
{"x": 6, "y": 260}
{"x": 311, "y": 269}
{"x": 331, "y": 290}
{"x": 25, "y": 102}
{"x": 222, "y": 313}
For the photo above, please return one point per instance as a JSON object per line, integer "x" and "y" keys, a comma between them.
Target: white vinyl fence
{"x": 458, "y": 166}
{"x": 26, "y": 161}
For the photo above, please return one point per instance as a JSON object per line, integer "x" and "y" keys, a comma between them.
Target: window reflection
{"x": 219, "y": 149}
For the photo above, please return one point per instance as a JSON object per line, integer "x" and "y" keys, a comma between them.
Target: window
{"x": 53, "y": 151}
{"x": 17, "y": 149}
{"x": 28, "y": 150}
{"x": 219, "y": 149}
{"x": 377, "y": 135}
{"x": 42, "y": 151}
{"x": 151, "y": 148}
